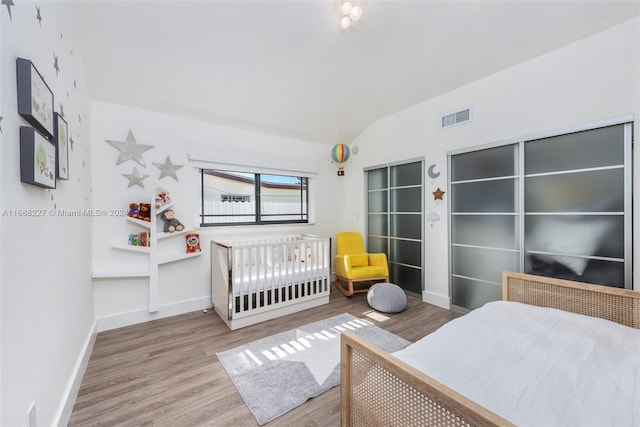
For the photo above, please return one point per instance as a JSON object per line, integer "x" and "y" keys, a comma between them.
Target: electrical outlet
{"x": 31, "y": 415}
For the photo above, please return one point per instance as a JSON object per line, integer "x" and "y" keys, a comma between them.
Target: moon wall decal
{"x": 432, "y": 173}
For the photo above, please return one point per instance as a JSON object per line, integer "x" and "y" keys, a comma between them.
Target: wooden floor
{"x": 166, "y": 373}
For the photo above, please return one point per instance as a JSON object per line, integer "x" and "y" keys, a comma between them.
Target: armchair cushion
{"x": 359, "y": 260}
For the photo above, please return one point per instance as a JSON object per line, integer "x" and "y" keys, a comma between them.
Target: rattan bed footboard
{"x": 378, "y": 389}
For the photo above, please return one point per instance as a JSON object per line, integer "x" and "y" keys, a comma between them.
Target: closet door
{"x": 575, "y": 197}
{"x": 484, "y": 223}
{"x": 395, "y": 221}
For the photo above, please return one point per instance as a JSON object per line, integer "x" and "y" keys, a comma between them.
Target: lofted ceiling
{"x": 286, "y": 68}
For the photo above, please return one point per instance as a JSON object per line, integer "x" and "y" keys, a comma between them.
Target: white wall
{"x": 185, "y": 285}
{"x": 46, "y": 295}
{"x": 593, "y": 79}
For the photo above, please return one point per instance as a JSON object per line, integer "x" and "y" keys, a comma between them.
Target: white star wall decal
{"x": 130, "y": 150}
{"x": 167, "y": 169}
{"x": 135, "y": 178}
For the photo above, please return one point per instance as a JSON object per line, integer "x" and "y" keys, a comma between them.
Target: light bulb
{"x": 356, "y": 12}
{"x": 346, "y": 7}
{"x": 345, "y": 22}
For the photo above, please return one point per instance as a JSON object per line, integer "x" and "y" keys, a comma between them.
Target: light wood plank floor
{"x": 166, "y": 373}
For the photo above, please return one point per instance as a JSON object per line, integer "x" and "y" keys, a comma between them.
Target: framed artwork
{"x": 37, "y": 159}
{"x": 35, "y": 99}
{"x": 61, "y": 138}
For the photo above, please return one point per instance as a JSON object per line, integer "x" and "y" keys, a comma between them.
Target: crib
{"x": 257, "y": 280}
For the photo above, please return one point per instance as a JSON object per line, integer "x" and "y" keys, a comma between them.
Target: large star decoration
{"x": 135, "y": 178}
{"x": 167, "y": 169}
{"x": 8, "y": 3}
{"x": 129, "y": 149}
{"x": 438, "y": 194}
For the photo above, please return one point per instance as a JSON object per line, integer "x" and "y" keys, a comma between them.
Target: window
{"x": 240, "y": 198}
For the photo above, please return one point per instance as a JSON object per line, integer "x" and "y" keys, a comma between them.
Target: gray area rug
{"x": 279, "y": 373}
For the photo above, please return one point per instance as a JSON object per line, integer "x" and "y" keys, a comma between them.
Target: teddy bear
{"x": 171, "y": 224}
{"x": 162, "y": 197}
{"x": 134, "y": 210}
{"x": 145, "y": 212}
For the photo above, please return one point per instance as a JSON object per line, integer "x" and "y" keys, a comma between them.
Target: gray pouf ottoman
{"x": 387, "y": 298}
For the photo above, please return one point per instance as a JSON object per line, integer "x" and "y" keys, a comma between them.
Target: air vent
{"x": 458, "y": 118}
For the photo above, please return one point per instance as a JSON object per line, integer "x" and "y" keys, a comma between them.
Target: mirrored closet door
{"x": 558, "y": 206}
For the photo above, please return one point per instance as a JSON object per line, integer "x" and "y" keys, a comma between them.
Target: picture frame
{"x": 35, "y": 98}
{"x": 37, "y": 159}
{"x": 61, "y": 139}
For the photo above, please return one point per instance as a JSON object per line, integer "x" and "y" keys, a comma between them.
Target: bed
{"x": 257, "y": 280}
{"x": 553, "y": 352}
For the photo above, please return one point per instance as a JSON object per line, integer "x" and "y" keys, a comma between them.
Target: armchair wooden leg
{"x": 346, "y": 292}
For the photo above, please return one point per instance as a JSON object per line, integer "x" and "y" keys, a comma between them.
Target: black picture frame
{"x": 37, "y": 159}
{"x": 61, "y": 139}
{"x": 35, "y": 98}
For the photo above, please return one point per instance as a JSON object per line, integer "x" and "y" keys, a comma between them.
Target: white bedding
{"x": 252, "y": 278}
{"x": 537, "y": 366}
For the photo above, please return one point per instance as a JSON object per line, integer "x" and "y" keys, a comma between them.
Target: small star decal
{"x": 167, "y": 169}
{"x": 437, "y": 195}
{"x": 55, "y": 64}
{"x": 75, "y": 84}
{"x": 8, "y": 3}
{"x": 38, "y": 16}
{"x": 79, "y": 118}
{"x": 71, "y": 141}
{"x": 130, "y": 149}
{"x": 135, "y": 178}
{"x": 62, "y": 109}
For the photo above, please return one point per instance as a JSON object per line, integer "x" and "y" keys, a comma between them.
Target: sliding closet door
{"x": 575, "y": 197}
{"x": 565, "y": 213}
{"x": 484, "y": 224}
{"x": 394, "y": 221}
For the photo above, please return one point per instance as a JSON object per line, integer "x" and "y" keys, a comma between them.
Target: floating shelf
{"x": 141, "y": 223}
{"x": 162, "y": 235}
{"x": 167, "y": 258}
{"x": 120, "y": 274}
{"x": 132, "y": 248}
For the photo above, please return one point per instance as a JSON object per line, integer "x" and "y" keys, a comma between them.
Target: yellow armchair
{"x": 354, "y": 264}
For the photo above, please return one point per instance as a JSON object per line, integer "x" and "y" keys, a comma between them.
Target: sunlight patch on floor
{"x": 378, "y": 317}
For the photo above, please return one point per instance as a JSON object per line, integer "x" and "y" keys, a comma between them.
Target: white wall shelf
{"x": 155, "y": 258}
{"x": 132, "y": 248}
{"x": 121, "y": 274}
{"x": 167, "y": 258}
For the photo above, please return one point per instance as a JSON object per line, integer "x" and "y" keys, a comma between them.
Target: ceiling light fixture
{"x": 351, "y": 12}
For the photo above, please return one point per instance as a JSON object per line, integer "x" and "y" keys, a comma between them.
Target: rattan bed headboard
{"x": 618, "y": 305}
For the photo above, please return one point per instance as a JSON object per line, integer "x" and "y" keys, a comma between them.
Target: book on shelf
{"x": 140, "y": 239}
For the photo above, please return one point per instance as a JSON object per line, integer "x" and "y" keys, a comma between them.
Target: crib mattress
{"x": 252, "y": 279}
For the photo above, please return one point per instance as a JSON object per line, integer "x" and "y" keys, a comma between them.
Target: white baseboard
{"x": 134, "y": 317}
{"x": 436, "y": 299}
{"x": 73, "y": 386}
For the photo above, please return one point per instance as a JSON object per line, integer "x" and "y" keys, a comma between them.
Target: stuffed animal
{"x": 134, "y": 210}
{"x": 145, "y": 212}
{"x": 171, "y": 224}
{"x": 162, "y": 197}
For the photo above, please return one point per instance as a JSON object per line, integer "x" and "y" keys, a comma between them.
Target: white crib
{"x": 257, "y": 280}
